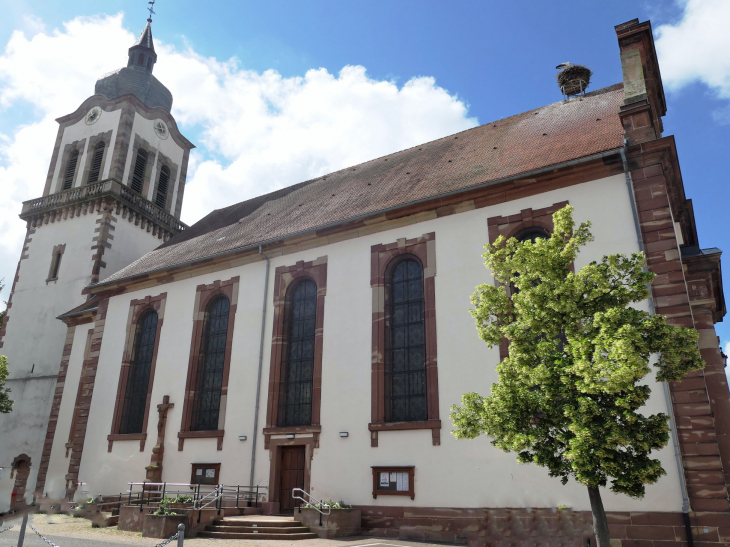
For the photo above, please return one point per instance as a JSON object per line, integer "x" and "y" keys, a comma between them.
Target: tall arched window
{"x": 297, "y": 366}
{"x": 140, "y": 165}
{"x": 95, "y": 170}
{"x": 211, "y": 362}
{"x": 140, "y": 59}
{"x": 68, "y": 179}
{"x": 162, "y": 182}
{"x": 405, "y": 366}
{"x": 138, "y": 379}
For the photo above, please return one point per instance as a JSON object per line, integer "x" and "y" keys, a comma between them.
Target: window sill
{"x": 433, "y": 425}
{"x": 211, "y": 434}
{"x": 141, "y": 437}
{"x": 315, "y": 430}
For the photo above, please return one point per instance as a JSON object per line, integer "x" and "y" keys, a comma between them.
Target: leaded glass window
{"x": 405, "y": 367}
{"x": 211, "y": 362}
{"x": 297, "y": 367}
{"x": 138, "y": 379}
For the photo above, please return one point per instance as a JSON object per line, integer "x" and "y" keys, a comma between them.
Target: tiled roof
{"x": 89, "y": 305}
{"x": 550, "y": 135}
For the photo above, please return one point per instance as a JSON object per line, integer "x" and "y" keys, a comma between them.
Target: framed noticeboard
{"x": 393, "y": 481}
{"x": 205, "y": 473}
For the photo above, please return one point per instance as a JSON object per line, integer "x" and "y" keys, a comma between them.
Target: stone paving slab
{"x": 68, "y": 531}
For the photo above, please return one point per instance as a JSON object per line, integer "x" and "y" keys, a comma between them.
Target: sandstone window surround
{"x": 286, "y": 281}
{"x": 96, "y": 156}
{"x": 384, "y": 258}
{"x": 162, "y": 197}
{"x": 140, "y": 172}
{"x": 55, "y": 267}
{"x": 137, "y": 311}
{"x": 522, "y": 225}
{"x": 205, "y": 294}
{"x": 71, "y": 156}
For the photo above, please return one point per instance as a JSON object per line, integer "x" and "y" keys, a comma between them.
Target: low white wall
{"x": 455, "y": 474}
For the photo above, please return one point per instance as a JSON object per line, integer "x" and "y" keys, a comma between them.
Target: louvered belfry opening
{"x": 140, "y": 165}
{"x": 405, "y": 368}
{"x": 211, "y": 362}
{"x": 68, "y": 179}
{"x": 96, "y": 162}
{"x": 297, "y": 368}
{"x": 162, "y": 183}
{"x": 138, "y": 380}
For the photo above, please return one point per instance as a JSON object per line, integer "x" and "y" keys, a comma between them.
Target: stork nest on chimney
{"x": 574, "y": 79}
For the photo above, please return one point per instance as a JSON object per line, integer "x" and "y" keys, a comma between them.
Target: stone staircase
{"x": 256, "y": 527}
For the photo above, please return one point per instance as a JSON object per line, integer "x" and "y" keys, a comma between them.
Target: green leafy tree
{"x": 570, "y": 394}
{"x": 6, "y": 405}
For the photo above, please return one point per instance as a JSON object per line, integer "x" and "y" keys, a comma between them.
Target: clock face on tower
{"x": 161, "y": 128}
{"x": 93, "y": 115}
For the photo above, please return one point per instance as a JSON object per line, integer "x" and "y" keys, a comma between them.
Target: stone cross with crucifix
{"x": 154, "y": 469}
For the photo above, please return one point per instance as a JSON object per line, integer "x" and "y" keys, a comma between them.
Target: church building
{"x": 317, "y": 336}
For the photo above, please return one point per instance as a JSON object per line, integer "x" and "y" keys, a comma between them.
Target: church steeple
{"x": 142, "y": 54}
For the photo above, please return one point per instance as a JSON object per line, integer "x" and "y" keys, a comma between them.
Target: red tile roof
{"x": 550, "y": 135}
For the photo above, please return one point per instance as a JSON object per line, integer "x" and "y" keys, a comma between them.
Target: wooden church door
{"x": 292, "y": 476}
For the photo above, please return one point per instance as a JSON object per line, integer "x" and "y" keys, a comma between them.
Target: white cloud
{"x": 258, "y": 132}
{"x": 696, "y": 48}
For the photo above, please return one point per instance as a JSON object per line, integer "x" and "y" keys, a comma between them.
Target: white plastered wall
{"x": 35, "y": 337}
{"x": 455, "y": 474}
{"x": 80, "y": 130}
{"x": 130, "y": 243}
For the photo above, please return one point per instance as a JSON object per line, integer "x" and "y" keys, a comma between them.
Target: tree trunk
{"x": 600, "y": 523}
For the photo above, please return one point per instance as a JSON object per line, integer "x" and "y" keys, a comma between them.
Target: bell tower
{"x": 113, "y": 192}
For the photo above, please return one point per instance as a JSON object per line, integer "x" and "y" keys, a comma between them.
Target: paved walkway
{"x": 67, "y": 531}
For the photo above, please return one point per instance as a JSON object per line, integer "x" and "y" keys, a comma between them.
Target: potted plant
{"x": 341, "y": 521}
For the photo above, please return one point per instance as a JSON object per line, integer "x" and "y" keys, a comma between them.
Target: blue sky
{"x": 448, "y": 65}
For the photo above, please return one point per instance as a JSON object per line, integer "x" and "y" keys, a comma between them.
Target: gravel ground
{"x": 68, "y": 531}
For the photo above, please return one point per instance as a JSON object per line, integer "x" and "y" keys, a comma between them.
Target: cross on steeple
{"x": 152, "y": 12}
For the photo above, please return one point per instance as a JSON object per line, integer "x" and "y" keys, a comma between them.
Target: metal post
{"x": 257, "y": 496}
{"x": 238, "y": 491}
{"x": 21, "y": 537}
{"x": 180, "y": 534}
{"x": 130, "y": 493}
{"x": 164, "y": 485}
{"x": 141, "y": 502}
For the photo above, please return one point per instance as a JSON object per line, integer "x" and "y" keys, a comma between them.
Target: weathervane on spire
{"x": 152, "y": 12}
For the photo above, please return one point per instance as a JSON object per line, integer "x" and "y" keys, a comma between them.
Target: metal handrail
{"x": 313, "y": 505}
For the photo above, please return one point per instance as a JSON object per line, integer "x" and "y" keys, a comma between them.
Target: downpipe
{"x": 665, "y": 385}
{"x": 261, "y": 362}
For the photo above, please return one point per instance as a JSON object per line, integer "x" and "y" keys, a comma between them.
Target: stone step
{"x": 242, "y": 535}
{"x": 258, "y": 523}
{"x": 258, "y": 529}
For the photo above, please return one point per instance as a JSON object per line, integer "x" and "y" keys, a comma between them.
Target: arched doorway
{"x": 20, "y": 470}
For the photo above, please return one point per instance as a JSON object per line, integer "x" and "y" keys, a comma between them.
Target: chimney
{"x": 644, "y": 102}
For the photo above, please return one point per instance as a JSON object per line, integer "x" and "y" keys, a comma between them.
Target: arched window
{"x": 532, "y": 234}
{"x": 161, "y": 196}
{"x": 140, "y": 165}
{"x": 138, "y": 379}
{"x": 140, "y": 59}
{"x": 96, "y": 162}
{"x": 68, "y": 179}
{"x": 405, "y": 365}
{"x": 211, "y": 362}
{"x": 297, "y": 366}
{"x": 149, "y": 64}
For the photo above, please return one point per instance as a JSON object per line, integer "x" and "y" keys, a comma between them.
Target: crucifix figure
{"x": 154, "y": 469}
